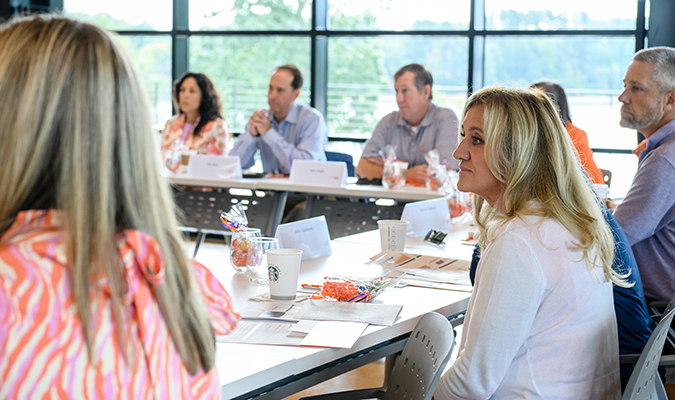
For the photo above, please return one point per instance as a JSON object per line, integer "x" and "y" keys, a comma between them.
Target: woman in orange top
{"x": 578, "y": 136}
{"x": 92, "y": 268}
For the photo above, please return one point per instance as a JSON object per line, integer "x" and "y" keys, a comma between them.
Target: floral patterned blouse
{"x": 214, "y": 138}
{"x": 43, "y": 351}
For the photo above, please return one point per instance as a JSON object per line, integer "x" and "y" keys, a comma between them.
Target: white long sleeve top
{"x": 540, "y": 322}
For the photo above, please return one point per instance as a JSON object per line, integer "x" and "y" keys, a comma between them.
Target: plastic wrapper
{"x": 459, "y": 203}
{"x": 235, "y": 219}
{"x": 354, "y": 290}
{"x": 172, "y": 156}
{"x": 239, "y": 249}
{"x": 394, "y": 171}
{"x": 437, "y": 172}
{"x": 394, "y": 174}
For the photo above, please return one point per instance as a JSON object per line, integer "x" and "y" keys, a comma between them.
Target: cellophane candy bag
{"x": 394, "y": 171}
{"x": 236, "y": 221}
{"x": 353, "y": 290}
{"x": 457, "y": 201}
{"x": 437, "y": 172}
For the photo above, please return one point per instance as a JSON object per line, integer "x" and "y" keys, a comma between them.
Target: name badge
{"x": 309, "y": 235}
{"x": 427, "y": 214}
{"x": 327, "y": 173}
{"x": 215, "y": 167}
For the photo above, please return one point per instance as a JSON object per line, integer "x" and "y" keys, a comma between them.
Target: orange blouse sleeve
{"x": 580, "y": 141}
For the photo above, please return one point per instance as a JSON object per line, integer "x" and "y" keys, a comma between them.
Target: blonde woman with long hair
{"x": 540, "y": 322}
{"x": 97, "y": 299}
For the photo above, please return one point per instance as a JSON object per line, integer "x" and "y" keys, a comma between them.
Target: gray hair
{"x": 663, "y": 60}
{"x": 422, "y": 77}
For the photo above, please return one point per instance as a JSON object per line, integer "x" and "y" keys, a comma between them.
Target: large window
{"x": 240, "y": 67}
{"x": 350, "y": 49}
{"x": 361, "y": 70}
{"x": 139, "y": 24}
{"x": 547, "y": 15}
{"x": 399, "y": 15}
{"x": 250, "y": 15}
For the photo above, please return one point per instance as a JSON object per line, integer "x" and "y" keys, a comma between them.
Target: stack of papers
{"x": 315, "y": 323}
{"x": 427, "y": 271}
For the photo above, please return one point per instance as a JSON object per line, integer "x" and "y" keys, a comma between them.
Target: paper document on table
{"x": 429, "y": 268}
{"x": 256, "y": 332}
{"x": 461, "y": 282}
{"x": 376, "y": 314}
{"x": 277, "y": 311}
{"x": 321, "y": 333}
{"x": 407, "y": 261}
{"x": 338, "y": 334}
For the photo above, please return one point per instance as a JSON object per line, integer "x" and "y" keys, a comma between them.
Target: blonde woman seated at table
{"x": 199, "y": 125}
{"x": 540, "y": 322}
{"x": 97, "y": 298}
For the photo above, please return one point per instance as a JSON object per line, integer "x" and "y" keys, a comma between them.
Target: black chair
{"x": 418, "y": 369}
{"x": 334, "y": 156}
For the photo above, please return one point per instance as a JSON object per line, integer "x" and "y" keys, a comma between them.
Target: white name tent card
{"x": 425, "y": 215}
{"x": 309, "y": 235}
{"x": 214, "y": 167}
{"x": 327, "y": 173}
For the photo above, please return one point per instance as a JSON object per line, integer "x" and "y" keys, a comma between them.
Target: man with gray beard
{"x": 647, "y": 214}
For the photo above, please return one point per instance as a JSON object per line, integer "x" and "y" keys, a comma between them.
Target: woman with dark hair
{"x": 199, "y": 125}
{"x": 579, "y": 138}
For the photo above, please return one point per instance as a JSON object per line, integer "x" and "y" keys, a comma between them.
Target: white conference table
{"x": 406, "y": 193}
{"x": 273, "y": 372}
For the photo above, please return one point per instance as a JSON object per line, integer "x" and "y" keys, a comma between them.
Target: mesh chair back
{"x": 349, "y": 216}
{"x": 200, "y": 210}
{"x": 645, "y": 382}
{"x": 419, "y": 368}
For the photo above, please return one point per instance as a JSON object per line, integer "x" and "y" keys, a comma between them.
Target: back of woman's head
{"x": 556, "y": 92}
{"x": 528, "y": 150}
{"x": 77, "y": 136}
{"x": 210, "y": 107}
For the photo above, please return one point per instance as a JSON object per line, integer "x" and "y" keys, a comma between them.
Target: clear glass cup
{"x": 240, "y": 246}
{"x": 257, "y": 256}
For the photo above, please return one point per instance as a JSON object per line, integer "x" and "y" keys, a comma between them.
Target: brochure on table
{"x": 427, "y": 268}
{"x": 327, "y": 173}
{"x": 425, "y": 215}
{"x": 338, "y": 334}
{"x": 214, "y": 167}
{"x": 309, "y": 235}
{"x": 280, "y": 323}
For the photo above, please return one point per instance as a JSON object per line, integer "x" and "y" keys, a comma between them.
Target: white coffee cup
{"x": 392, "y": 234}
{"x": 283, "y": 268}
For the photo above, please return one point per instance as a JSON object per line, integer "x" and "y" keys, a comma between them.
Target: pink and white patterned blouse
{"x": 214, "y": 138}
{"x": 43, "y": 351}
